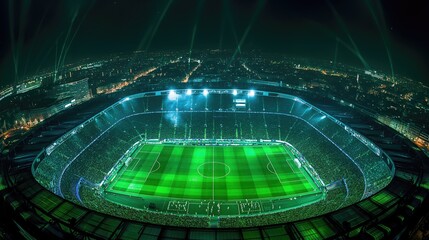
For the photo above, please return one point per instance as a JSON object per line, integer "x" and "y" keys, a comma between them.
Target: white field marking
{"x": 121, "y": 173}
{"x": 202, "y": 175}
{"x": 156, "y": 160}
{"x": 309, "y": 179}
{"x": 137, "y": 163}
{"x": 137, "y": 158}
{"x": 287, "y": 181}
{"x": 138, "y": 154}
{"x": 179, "y": 203}
{"x": 142, "y": 146}
{"x": 144, "y": 152}
{"x": 275, "y": 171}
{"x": 135, "y": 181}
{"x": 159, "y": 166}
{"x": 292, "y": 181}
{"x": 250, "y": 209}
{"x": 271, "y": 171}
{"x": 300, "y": 171}
{"x": 292, "y": 158}
{"x": 286, "y": 160}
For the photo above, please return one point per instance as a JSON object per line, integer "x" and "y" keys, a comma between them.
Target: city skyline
{"x": 385, "y": 35}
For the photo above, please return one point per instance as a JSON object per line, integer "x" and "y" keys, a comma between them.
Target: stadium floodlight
{"x": 234, "y": 92}
{"x": 205, "y": 92}
{"x": 188, "y": 92}
{"x": 172, "y": 95}
{"x": 251, "y": 93}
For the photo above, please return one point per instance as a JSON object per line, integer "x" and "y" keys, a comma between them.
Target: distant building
{"x": 78, "y": 90}
{"x": 409, "y": 130}
{"x": 66, "y": 95}
{"x": 41, "y": 113}
{"x": 29, "y": 85}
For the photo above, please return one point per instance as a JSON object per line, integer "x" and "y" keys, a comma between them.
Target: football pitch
{"x": 212, "y": 173}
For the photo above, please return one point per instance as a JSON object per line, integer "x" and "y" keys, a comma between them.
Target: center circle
{"x": 213, "y": 170}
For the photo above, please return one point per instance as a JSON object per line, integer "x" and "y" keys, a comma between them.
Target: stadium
{"x": 246, "y": 162}
{"x": 214, "y": 120}
{"x": 213, "y": 156}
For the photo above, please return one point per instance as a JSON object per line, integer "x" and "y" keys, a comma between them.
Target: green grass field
{"x": 216, "y": 173}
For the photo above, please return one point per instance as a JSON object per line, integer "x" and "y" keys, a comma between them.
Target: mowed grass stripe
{"x": 207, "y": 188}
{"x": 229, "y": 159}
{"x": 246, "y": 170}
{"x": 154, "y": 183}
{"x": 220, "y": 184}
{"x": 195, "y": 181}
{"x": 266, "y": 181}
{"x": 181, "y": 176}
{"x": 238, "y": 171}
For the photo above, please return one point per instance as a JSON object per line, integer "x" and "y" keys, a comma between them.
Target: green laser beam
{"x": 255, "y": 15}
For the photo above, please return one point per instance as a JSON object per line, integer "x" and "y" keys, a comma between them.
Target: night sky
{"x": 34, "y": 32}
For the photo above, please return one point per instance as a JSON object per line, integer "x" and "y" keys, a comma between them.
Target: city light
{"x": 251, "y": 93}
{"x": 234, "y": 92}
{"x": 323, "y": 117}
{"x": 188, "y": 92}
{"x": 205, "y": 92}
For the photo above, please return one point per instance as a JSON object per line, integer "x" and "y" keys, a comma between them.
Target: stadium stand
{"x": 75, "y": 165}
{"x": 381, "y": 216}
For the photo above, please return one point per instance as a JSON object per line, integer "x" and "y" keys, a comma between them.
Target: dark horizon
{"x": 365, "y": 33}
